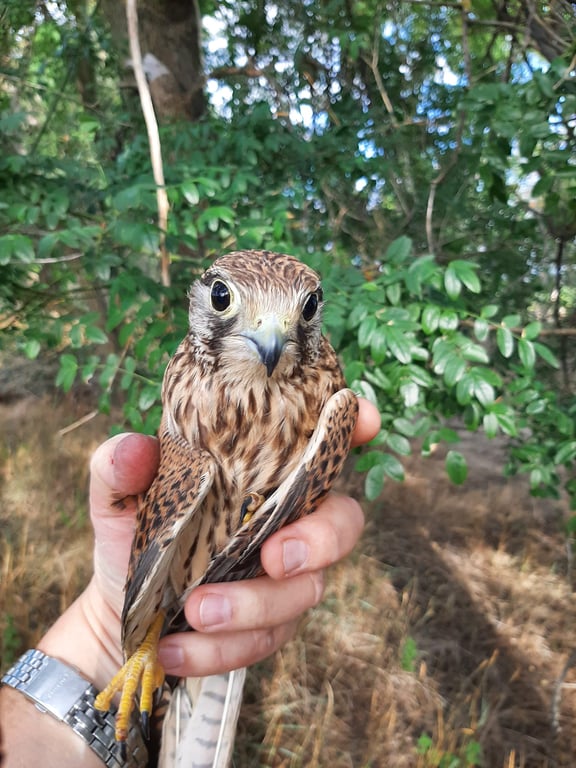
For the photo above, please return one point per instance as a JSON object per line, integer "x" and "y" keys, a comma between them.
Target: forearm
{"x": 85, "y": 637}
{"x": 30, "y": 737}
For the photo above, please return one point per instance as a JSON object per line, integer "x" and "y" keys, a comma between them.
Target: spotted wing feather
{"x": 173, "y": 505}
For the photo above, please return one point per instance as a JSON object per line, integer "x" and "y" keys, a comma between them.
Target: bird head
{"x": 258, "y": 312}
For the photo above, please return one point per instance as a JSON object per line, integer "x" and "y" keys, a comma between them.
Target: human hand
{"x": 240, "y": 622}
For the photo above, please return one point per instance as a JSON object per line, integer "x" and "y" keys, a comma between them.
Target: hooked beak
{"x": 269, "y": 339}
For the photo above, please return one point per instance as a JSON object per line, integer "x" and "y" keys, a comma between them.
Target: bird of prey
{"x": 256, "y": 425}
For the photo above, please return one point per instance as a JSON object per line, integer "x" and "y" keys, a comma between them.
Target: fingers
{"x": 316, "y": 541}
{"x": 194, "y": 654}
{"x": 241, "y": 623}
{"x": 368, "y": 422}
{"x": 252, "y": 604}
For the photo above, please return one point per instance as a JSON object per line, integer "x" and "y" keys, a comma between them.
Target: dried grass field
{"x": 443, "y": 641}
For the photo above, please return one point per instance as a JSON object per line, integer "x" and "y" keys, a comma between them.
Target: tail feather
{"x": 200, "y": 725}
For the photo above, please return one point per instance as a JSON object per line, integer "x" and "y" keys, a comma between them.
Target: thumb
{"x": 121, "y": 468}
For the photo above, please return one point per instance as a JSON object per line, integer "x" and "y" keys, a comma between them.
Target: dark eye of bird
{"x": 220, "y": 296}
{"x": 311, "y": 306}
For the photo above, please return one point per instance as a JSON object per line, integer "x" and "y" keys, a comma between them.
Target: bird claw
{"x": 141, "y": 669}
{"x": 250, "y": 505}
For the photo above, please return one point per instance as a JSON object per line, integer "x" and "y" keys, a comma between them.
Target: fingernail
{"x": 294, "y": 555}
{"x": 171, "y": 656}
{"x": 215, "y": 610}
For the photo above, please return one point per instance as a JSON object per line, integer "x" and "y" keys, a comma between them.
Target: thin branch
{"x": 373, "y": 65}
{"x": 78, "y": 423}
{"x": 566, "y": 74}
{"x": 153, "y": 138}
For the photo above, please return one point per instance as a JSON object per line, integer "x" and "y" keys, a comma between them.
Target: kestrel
{"x": 256, "y": 425}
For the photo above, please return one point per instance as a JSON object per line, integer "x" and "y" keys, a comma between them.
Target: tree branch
{"x": 153, "y": 138}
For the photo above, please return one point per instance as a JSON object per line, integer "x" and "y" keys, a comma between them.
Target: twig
{"x": 566, "y": 74}
{"x": 373, "y": 65}
{"x": 78, "y": 423}
{"x": 153, "y": 138}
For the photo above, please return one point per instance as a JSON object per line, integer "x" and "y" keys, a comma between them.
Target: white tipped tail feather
{"x": 200, "y": 725}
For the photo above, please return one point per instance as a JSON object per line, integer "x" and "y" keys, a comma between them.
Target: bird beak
{"x": 269, "y": 338}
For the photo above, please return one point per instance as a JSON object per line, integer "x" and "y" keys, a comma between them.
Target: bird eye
{"x": 311, "y": 306}
{"x": 220, "y": 296}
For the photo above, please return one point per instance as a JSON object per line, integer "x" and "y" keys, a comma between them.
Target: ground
{"x": 443, "y": 641}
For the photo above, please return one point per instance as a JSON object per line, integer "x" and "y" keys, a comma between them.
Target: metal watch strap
{"x": 61, "y": 691}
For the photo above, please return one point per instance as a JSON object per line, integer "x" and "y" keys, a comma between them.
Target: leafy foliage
{"x": 426, "y": 171}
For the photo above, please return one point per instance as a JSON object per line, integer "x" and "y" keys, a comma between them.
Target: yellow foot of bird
{"x": 141, "y": 669}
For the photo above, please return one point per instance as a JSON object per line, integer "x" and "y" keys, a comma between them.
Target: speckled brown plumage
{"x": 254, "y": 405}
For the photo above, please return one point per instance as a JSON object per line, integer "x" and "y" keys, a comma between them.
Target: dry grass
{"x": 454, "y": 623}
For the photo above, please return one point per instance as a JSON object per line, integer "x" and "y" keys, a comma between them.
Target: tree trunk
{"x": 170, "y": 39}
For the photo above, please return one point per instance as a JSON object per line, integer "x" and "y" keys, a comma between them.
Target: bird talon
{"x": 250, "y": 505}
{"x": 145, "y": 720}
{"x": 122, "y": 750}
{"x": 141, "y": 669}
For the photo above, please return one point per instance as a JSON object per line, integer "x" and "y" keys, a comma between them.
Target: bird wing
{"x": 297, "y": 496}
{"x": 171, "y": 504}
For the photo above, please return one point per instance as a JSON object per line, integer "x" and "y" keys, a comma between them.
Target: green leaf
{"x": 566, "y": 453}
{"x": 149, "y": 396}
{"x": 466, "y": 272}
{"x": 449, "y": 320}
{"x": 454, "y": 370}
{"x": 489, "y": 311}
{"x": 527, "y": 353}
{"x": 96, "y": 335}
{"x": 532, "y": 330}
{"x": 546, "y": 354}
{"x": 32, "y": 349}
{"x": 393, "y": 467}
{"x": 430, "y": 318}
{"x": 490, "y": 424}
{"x": 378, "y": 345}
{"x": 394, "y": 293}
{"x": 398, "y": 250}
{"x": 399, "y": 444}
{"x": 420, "y": 272}
{"x": 465, "y": 389}
{"x": 452, "y": 283}
{"x": 374, "y": 482}
{"x": 505, "y": 341}
{"x": 483, "y": 390}
{"x": 456, "y": 467}
{"x": 368, "y": 460}
{"x": 481, "y": 329}
{"x": 366, "y": 330}
{"x": 67, "y": 372}
{"x": 405, "y": 426}
{"x": 190, "y": 192}
{"x": 399, "y": 344}
{"x": 511, "y": 321}
{"x": 410, "y": 392}
{"x": 474, "y": 353}
{"x": 409, "y": 654}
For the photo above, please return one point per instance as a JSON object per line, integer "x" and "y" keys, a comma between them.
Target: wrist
{"x": 87, "y": 636}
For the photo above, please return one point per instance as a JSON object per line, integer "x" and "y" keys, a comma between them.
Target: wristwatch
{"x": 62, "y": 692}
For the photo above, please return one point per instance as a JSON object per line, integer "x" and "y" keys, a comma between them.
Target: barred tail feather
{"x": 200, "y": 725}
